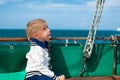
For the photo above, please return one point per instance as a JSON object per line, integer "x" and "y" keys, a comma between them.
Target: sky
{"x": 59, "y": 14}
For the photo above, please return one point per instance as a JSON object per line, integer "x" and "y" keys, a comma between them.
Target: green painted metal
{"x": 65, "y": 60}
{"x": 12, "y": 62}
{"x": 70, "y": 60}
{"x": 118, "y": 60}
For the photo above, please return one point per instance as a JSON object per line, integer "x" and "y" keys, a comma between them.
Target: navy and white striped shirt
{"x": 38, "y": 60}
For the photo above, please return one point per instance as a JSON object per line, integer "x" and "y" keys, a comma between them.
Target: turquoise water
{"x": 60, "y": 33}
{"x": 57, "y": 33}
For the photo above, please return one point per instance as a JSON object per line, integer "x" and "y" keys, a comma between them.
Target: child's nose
{"x": 49, "y": 30}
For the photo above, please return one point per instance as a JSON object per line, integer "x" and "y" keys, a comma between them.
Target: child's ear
{"x": 35, "y": 35}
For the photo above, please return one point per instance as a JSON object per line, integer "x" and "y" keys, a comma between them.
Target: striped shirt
{"x": 38, "y": 60}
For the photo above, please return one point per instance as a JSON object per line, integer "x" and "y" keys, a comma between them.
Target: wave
{"x": 118, "y": 29}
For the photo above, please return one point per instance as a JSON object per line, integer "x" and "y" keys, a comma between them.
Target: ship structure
{"x": 77, "y": 61}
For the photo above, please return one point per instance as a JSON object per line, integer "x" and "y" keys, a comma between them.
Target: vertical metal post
{"x": 115, "y": 60}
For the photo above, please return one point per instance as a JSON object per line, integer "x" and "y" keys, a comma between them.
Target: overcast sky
{"x": 59, "y": 14}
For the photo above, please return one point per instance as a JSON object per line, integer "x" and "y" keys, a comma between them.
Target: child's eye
{"x": 45, "y": 28}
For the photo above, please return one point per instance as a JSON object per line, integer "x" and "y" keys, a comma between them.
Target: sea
{"x": 17, "y": 33}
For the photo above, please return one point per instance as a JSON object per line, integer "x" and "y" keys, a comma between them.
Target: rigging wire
{"x": 87, "y": 52}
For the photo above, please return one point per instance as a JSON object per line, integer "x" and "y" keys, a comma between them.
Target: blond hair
{"x": 33, "y": 26}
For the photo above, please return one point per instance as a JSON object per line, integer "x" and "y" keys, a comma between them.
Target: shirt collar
{"x": 40, "y": 43}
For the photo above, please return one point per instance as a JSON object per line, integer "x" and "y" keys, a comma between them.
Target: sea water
{"x": 17, "y": 33}
{"x": 58, "y": 33}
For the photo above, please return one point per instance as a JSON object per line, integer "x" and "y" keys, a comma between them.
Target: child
{"x": 38, "y": 67}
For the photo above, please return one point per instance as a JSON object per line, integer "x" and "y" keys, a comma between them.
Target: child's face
{"x": 43, "y": 33}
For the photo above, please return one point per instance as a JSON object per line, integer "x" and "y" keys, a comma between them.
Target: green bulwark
{"x": 65, "y": 60}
